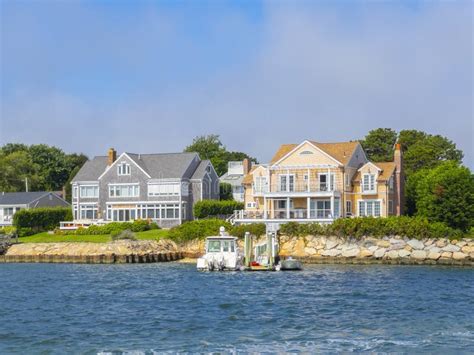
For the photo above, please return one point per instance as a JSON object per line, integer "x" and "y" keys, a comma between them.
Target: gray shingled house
{"x": 12, "y": 202}
{"x": 161, "y": 187}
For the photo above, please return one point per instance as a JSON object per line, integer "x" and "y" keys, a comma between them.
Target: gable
{"x": 112, "y": 173}
{"x": 307, "y": 154}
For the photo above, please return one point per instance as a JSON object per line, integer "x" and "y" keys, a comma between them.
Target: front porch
{"x": 296, "y": 209}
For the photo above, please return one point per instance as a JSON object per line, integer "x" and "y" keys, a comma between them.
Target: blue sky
{"x": 148, "y": 76}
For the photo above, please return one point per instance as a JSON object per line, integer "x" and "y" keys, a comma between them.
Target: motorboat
{"x": 290, "y": 264}
{"x": 222, "y": 253}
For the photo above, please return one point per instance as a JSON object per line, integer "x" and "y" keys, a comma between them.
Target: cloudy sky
{"x": 148, "y": 76}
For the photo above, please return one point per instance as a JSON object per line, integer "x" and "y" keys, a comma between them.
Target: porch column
{"x": 329, "y": 183}
{"x": 288, "y": 208}
{"x": 287, "y": 179}
{"x": 308, "y": 207}
{"x": 332, "y": 205}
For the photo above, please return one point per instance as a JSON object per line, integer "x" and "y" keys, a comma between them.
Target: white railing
{"x": 294, "y": 213}
{"x": 297, "y": 187}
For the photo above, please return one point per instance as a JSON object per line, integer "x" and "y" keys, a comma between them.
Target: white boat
{"x": 222, "y": 253}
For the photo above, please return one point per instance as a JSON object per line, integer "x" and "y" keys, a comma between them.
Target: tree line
{"x": 437, "y": 185}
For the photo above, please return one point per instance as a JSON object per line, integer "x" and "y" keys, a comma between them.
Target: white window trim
{"x": 287, "y": 187}
{"x": 365, "y": 201}
{"x": 329, "y": 175}
{"x": 124, "y": 184}
{"x": 89, "y": 185}
{"x": 121, "y": 166}
{"x": 363, "y": 190}
{"x": 349, "y": 203}
{"x": 179, "y": 193}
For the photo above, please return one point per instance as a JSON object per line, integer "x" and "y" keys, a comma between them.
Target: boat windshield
{"x": 214, "y": 246}
{"x": 228, "y": 245}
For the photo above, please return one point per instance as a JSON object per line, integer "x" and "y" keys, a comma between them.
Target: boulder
{"x": 379, "y": 253}
{"x": 416, "y": 244}
{"x": 310, "y": 251}
{"x": 451, "y": 248}
{"x": 446, "y": 255}
{"x": 467, "y": 249}
{"x": 364, "y": 253}
{"x": 350, "y": 253}
{"x": 404, "y": 253}
{"x": 441, "y": 243}
{"x": 383, "y": 243}
{"x": 433, "y": 249}
{"x": 418, "y": 254}
{"x": 373, "y": 248}
{"x": 459, "y": 256}
{"x": 331, "y": 244}
{"x": 434, "y": 255}
{"x": 392, "y": 254}
{"x": 331, "y": 252}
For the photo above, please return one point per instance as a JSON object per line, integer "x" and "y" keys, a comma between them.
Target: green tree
{"x": 210, "y": 147}
{"x": 429, "y": 152}
{"x": 225, "y": 191}
{"x": 446, "y": 194}
{"x": 378, "y": 144}
{"x": 14, "y": 169}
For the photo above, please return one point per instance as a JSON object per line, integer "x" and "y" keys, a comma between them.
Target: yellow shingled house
{"x": 319, "y": 182}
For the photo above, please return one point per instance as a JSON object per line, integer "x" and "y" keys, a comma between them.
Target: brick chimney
{"x": 247, "y": 164}
{"x": 111, "y": 156}
{"x": 399, "y": 179}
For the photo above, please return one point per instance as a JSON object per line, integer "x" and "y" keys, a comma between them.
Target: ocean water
{"x": 170, "y": 307}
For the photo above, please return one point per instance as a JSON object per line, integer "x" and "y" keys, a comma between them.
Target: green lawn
{"x": 153, "y": 234}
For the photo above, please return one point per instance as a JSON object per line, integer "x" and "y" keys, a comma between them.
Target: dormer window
{"x": 123, "y": 169}
{"x": 368, "y": 183}
{"x": 306, "y": 152}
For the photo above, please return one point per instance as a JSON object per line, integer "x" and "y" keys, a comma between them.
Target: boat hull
{"x": 291, "y": 265}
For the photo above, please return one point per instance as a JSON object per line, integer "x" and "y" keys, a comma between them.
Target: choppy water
{"x": 47, "y": 308}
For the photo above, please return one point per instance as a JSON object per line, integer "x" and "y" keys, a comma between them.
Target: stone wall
{"x": 123, "y": 251}
{"x": 390, "y": 250}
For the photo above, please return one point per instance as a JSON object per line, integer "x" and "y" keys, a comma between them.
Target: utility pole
{"x": 26, "y": 184}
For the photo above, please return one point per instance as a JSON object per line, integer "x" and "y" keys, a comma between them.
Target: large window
{"x": 123, "y": 169}
{"x": 88, "y": 211}
{"x": 326, "y": 182}
{"x": 260, "y": 184}
{"x": 74, "y": 191}
{"x": 89, "y": 191}
{"x": 164, "y": 189}
{"x": 124, "y": 190}
{"x": 287, "y": 183}
{"x": 369, "y": 208}
{"x": 368, "y": 183}
{"x": 323, "y": 209}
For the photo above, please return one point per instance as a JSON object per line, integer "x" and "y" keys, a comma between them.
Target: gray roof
{"x": 158, "y": 166}
{"x": 234, "y": 179}
{"x": 200, "y": 171}
{"x": 21, "y": 198}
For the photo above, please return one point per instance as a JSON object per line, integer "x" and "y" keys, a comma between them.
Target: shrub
{"x": 35, "y": 220}
{"x": 7, "y": 230}
{"x": 126, "y": 234}
{"x": 197, "y": 229}
{"x": 212, "y": 208}
{"x": 256, "y": 229}
{"x": 411, "y": 227}
{"x": 225, "y": 191}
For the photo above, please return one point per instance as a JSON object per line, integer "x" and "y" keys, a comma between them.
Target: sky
{"x": 149, "y": 76}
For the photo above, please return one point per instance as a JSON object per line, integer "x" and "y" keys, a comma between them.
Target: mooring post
{"x": 247, "y": 249}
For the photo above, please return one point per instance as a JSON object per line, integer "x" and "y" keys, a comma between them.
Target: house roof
{"x": 387, "y": 169}
{"x": 157, "y": 166}
{"x": 233, "y": 179}
{"x": 200, "y": 171}
{"x": 21, "y": 198}
{"x": 341, "y": 151}
{"x": 248, "y": 179}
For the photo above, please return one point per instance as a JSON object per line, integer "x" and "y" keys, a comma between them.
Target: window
{"x": 323, "y": 209}
{"x": 88, "y": 211}
{"x": 74, "y": 192}
{"x": 390, "y": 206}
{"x": 369, "y": 208}
{"x": 89, "y": 191}
{"x": 348, "y": 208}
{"x": 260, "y": 184}
{"x": 336, "y": 208}
{"x": 324, "y": 184}
{"x": 306, "y": 152}
{"x": 163, "y": 189}
{"x": 346, "y": 178}
{"x": 368, "y": 183}
{"x": 123, "y": 169}
{"x": 281, "y": 204}
{"x": 213, "y": 246}
{"x": 124, "y": 190}
{"x": 390, "y": 183}
{"x": 251, "y": 204}
{"x": 287, "y": 183}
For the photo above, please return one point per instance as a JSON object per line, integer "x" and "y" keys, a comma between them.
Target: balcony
{"x": 293, "y": 189}
{"x": 281, "y": 215}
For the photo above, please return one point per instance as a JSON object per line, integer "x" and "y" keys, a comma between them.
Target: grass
{"x": 154, "y": 234}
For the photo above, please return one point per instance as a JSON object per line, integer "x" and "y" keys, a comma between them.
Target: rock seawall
{"x": 123, "y": 251}
{"x": 365, "y": 250}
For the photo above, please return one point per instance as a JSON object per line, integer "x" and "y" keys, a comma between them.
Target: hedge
{"x": 212, "y": 208}
{"x": 200, "y": 229}
{"x": 411, "y": 227}
{"x": 35, "y": 220}
{"x": 112, "y": 228}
